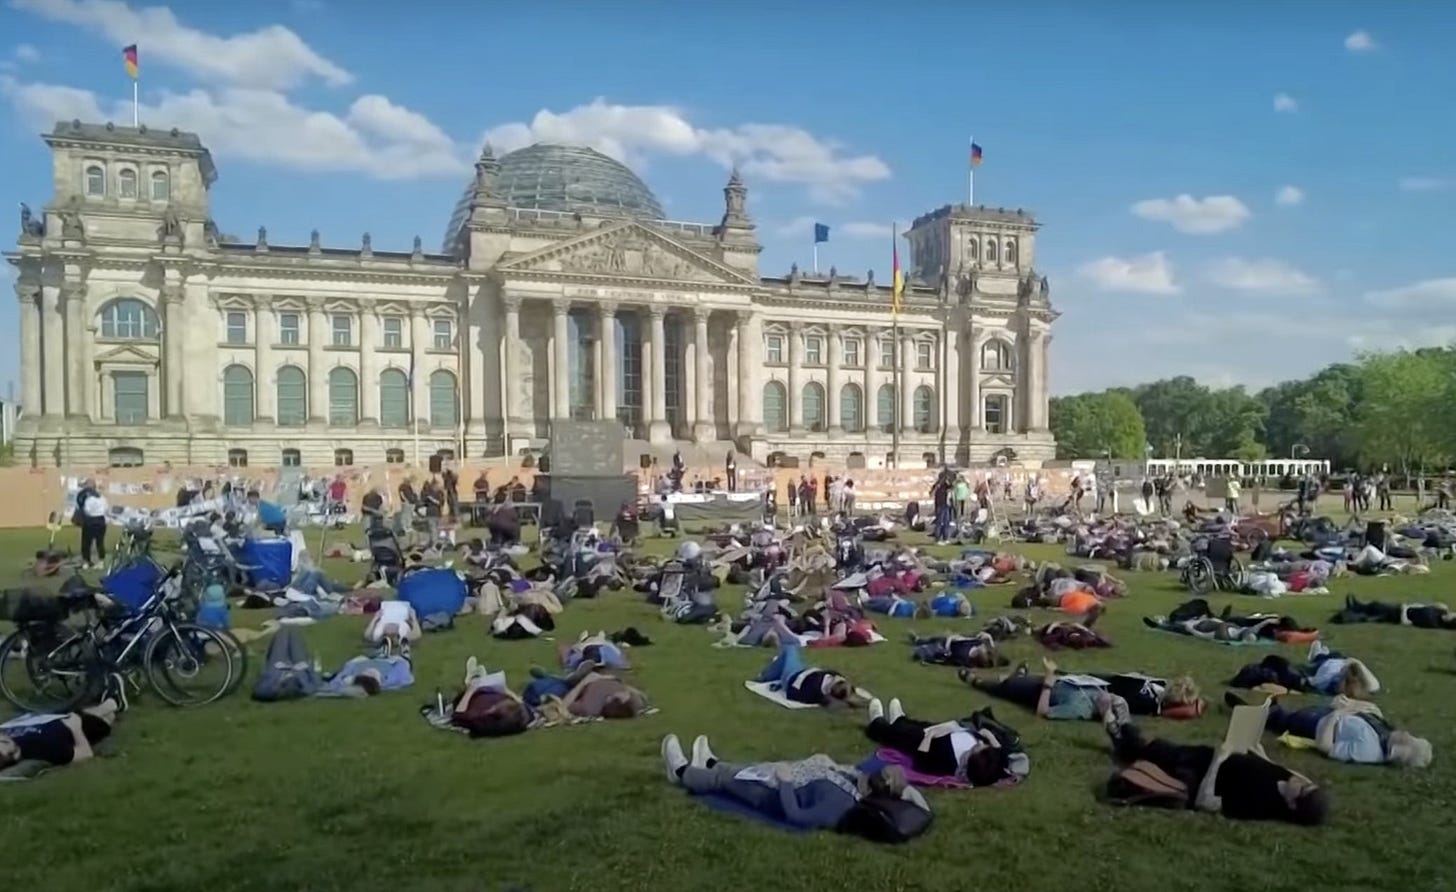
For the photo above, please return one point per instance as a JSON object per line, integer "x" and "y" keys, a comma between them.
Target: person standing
{"x": 1231, "y": 496}
{"x": 731, "y": 468}
{"x": 91, "y": 511}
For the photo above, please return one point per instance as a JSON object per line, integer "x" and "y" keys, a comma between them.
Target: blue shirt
{"x": 1071, "y": 701}
{"x": 1356, "y": 741}
{"x": 394, "y": 673}
{"x": 1327, "y": 675}
{"x": 270, "y": 515}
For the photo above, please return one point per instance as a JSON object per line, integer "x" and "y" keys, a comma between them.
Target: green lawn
{"x": 364, "y": 796}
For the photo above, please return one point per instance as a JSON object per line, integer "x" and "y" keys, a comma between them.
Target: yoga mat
{"x": 766, "y": 690}
{"x": 729, "y": 805}
{"x": 1258, "y": 642}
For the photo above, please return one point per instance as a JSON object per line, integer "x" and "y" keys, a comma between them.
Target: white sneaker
{"x": 673, "y": 759}
{"x": 896, "y": 711}
{"x": 1316, "y": 648}
{"x": 702, "y": 753}
{"x": 876, "y": 709}
{"x": 472, "y": 667}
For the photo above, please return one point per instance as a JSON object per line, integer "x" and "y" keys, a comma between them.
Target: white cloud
{"x": 1289, "y": 196}
{"x": 1196, "y": 216}
{"x": 868, "y": 229}
{"x": 1423, "y": 184}
{"x": 797, "y": 228}
{"x": 773, "y": 152}
{"x": 802, "y": 228}
{"x": 27, "y": 54}
{"x": 374, "y": 137}
{"x": 1431, "y": 294}
{"x": 271, "y": 57}
{"x": 1285, "y": 103}
{"x": 1360, "y": 42}
{"x": 1147, "y": 274}
{"x": 1265, "y": 276}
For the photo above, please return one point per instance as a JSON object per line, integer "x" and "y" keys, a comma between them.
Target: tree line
{"x": 1394, "y": 409}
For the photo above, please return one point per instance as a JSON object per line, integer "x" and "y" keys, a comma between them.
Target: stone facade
{"x": 146, "y": 336}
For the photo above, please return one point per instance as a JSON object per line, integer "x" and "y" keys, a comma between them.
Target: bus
{"x": 1269, "y": 469}
{"x": 1279, "y": 468}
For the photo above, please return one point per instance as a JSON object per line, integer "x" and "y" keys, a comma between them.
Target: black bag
{"x": 883, "y": 820}
{"x": 1006, "y": 736}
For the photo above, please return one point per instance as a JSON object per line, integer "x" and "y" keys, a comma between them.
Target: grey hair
{"x": 1408, "y": 750}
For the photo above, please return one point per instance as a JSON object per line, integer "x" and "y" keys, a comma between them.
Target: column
{"x": 1038, "y": 390}
{"x": 950, "y": 419}
{"x": 73, "y": 313}
{"x": 174, "y": 370}
{"x": 561, "y": 360}
{"x": 973, "y": 380}
{"x": 832, "y": 382}
{"x": 608, "y": 362}
{"x": 54, "y": 339}
{"x": 704, "y": 430}
{"x": 796, "y": 354}
{"x": 264, "y": 386}
{"x": 872, "y": 379}
{"x": 477, "y": 362}
{"x": 368, "y": 364}
{"x": 318, "y": 383}
{"x": 419, "y": 343}
{"x": 906, "y": 358}
{"x": 510, "y": 365}
{"x": 657, "y": 428}
{"x": 28, "y": 293}
{"x": 750, "y": 389}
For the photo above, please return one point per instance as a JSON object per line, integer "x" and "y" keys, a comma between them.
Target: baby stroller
{"x": 1213, "y": 567}
{"x": 386, "y": 557}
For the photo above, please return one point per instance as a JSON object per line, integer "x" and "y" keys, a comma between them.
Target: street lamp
{"x": 1297, "y": 450}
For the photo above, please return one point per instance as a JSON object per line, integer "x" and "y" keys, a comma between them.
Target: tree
{"x": 1093, "y": 425}
{"x": 1404, "y": 417}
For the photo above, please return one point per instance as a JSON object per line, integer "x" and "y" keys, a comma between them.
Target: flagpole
{"x": 816, "y": 258}
{"x": 971, "y": 176}
{"x": 135, "y": 109}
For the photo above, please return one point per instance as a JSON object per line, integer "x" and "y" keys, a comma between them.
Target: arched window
{"x": 394, "y": 456}
{"x": 237, "y": 396}
{"x": 394, "y": 398}
{"x": 442, "y": 400}
{"x": 813, "y": 397}
{"x": 885, "y": 408}
{"x": 973, "y": 250}
{"x": 343, "y": 397}
{"x": 125, "y": 457}
{"x": 95, "y": 181}
{"x": 996, "y": 356}
{"x": 237, "y": 458}
{"x": 924, "y": 409}
{"x": 292, "y": 458}
{"x": 1009, "y": 255}
{"x": 161, "y": 186}
{"x": 775, "y": 407}
{"x": 990, "y": 250}
{"x": 851, "y": 408}
{"x": 129, "y": 319}
{"x": 126, "y": 184}
{"x": 292, "y": 398}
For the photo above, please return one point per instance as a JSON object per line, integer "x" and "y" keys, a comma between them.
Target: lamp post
{"x": 1297, "y": 450}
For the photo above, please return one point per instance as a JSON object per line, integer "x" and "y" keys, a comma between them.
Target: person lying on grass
{"x": 1347, "y": 730}
{"x": 585, "y": 693}
{"x": 1243, "y": 786}
{"x": 978, "y": 751}
{"x": 1052, "y": 696}
{"x": 393, "y": 627}
{"x": 1247, "y": 629}
{"x": 970, "y": 651}
{"x": 597, "y": 649}
{"x": 487, "y": 707}
{"x": 1327, "y": 672}
{"x": 802, "y": 684}
{"x": 366, "y": 676}
{"x": 56, "y": 740}
{"x": 1422, "y": 616}
{"x": 815, "y": 793}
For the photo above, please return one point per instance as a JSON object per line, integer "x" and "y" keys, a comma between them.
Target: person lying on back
{"x": 56, "y": 740}
{"x": 1052, "y": 696}
{"x": 802, "y": 684}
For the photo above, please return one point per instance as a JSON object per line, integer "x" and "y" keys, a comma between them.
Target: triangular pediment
{"x": 126, "y": 353}
{"x": 626, "y": 250}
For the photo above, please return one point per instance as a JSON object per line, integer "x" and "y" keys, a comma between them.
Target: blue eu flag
{"x": 821, "y": 233}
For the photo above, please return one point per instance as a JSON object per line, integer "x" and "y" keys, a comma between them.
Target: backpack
{"x": 78, "y": 516}
{"x": 1143, "y": 783}
{"x": 883, "y": 820}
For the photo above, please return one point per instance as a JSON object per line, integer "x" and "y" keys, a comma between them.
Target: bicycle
{"x": 69, "y": 666}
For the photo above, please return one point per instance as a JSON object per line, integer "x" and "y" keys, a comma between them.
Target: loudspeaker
{"x": 436, "y": 464}
{"x": 644, "y": 461}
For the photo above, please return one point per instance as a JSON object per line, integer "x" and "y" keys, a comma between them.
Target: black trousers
{"x": 1185, "y": 762}
{"x": 904, "y": 735}
{"x": 93, "y": 536}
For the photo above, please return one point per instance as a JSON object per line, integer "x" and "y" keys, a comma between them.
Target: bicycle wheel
{"x": 238, "y": 652}
{"x": 44, "y": 672}
{"x": 189, "y": 665}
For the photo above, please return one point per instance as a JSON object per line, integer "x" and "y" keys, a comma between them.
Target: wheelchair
{"x": 1213, "y": 567}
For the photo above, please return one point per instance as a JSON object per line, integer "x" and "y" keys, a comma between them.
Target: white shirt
{"x": 95, "y": 506}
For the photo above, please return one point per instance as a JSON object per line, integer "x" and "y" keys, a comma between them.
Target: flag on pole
{"x": 129, "y": 57}
{"x": 897, "y": 281}
{"x": 975, "y": 154}
{"x": 821, "y": 233}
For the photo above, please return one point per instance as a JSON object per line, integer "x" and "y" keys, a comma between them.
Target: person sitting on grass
{"x": 367, "y": 676}
{"x": 815, "y": 793}
{"x": 393, "y": 626}
{"x": 1242, "y": 786}
{"x": 46, "y": 741}
{"x": 1328, "y": 672}
{"x": 1422, "y": 616}
{"x": 979, "y": 752}
{"x": 597, "y": 649}
{"x": 1052, "y": 696}
{"x": 1347, "y": 730}
{"x": 970, "y": 651}
{"x": 787, "y": 674}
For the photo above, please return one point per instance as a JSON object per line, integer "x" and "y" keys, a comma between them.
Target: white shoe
{"x": 702, "y": 753}
{"x": 876, "y": 709}
{"x": 1316, "y": 648}
{"x": 896, "y": 711}
{"x": 673, "y": 759}
{"x": 472, "y": 667}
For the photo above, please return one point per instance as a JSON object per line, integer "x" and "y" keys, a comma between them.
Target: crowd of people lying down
{"x": 841, "y": 582}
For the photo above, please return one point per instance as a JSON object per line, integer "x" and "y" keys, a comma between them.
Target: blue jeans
{"x": 539, "y": 689}
{"x": 1301, "y": 722}
{"x": 788, "y": 663}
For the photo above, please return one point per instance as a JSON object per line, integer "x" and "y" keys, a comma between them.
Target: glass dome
{"x": 572, "y": 179}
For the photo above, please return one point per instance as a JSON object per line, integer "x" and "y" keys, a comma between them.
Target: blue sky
{"x": 1238, "y": 191}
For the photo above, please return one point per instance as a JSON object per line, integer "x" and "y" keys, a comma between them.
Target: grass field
{"x": 360, "y": 796}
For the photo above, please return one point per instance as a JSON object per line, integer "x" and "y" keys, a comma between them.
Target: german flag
{"x": 129, "y": 57}
{"x": 897, "y": 282}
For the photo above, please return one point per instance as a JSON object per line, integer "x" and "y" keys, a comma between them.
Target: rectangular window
{"x": 813, "y": 350}
{"x": 237, "y": 327}
{"x": 292, "y": 458}
{"x": 288, "y": 328}
{"x": 995, "y": 415}
{"x": 444, "y": 334}
{"x": 393, "y": 332}
{"x": 773, "y": 349}
{"x": 130, "y": 396}
{"x": 343, "y": 331}
{"x": 924, "y": 355}
{"x": 852, "y": 347}
{"x": 887, "y": 353}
